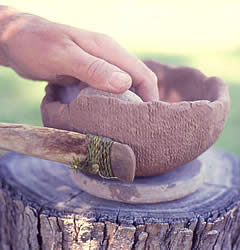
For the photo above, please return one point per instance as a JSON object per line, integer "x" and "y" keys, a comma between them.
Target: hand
{"x": 42, "y": 50}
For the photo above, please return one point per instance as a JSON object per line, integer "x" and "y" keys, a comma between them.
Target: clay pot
{"x": 164, "y": 134}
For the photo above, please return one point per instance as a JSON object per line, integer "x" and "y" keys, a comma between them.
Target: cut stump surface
{"x": 41, "y": 208}
{"x": 173, "y": 185}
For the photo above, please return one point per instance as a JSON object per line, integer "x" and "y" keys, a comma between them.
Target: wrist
{"x": 7, "y": 16}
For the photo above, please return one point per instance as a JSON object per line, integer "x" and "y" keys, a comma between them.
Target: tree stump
{"x": 41, "y": 208}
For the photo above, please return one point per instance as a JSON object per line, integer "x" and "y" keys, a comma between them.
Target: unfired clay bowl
{"x": 164, "y": 134}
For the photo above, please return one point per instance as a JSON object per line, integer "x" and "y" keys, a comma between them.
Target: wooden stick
{"x": 63, "y": 146}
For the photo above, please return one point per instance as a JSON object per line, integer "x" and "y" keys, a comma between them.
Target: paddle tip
{"x": 123, "y": 162}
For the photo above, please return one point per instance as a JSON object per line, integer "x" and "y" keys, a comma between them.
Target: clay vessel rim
{"x": 122, "y": 102}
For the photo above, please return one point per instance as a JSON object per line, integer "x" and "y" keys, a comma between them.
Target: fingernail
{"x": 120, "y": 81}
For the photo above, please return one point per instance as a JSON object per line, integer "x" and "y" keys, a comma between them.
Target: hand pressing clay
{"x": 163, "y": 134}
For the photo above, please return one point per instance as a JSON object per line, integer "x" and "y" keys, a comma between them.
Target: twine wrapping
{"x": 98, "y": 160}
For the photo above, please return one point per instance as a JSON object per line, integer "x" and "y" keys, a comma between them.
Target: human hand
{"x": 42, "y": 50}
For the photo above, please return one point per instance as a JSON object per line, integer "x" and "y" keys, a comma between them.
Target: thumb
{"x": 96, "y": 72}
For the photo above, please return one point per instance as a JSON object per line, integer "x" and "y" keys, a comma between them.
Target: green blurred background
{"x": 201, "y": 34}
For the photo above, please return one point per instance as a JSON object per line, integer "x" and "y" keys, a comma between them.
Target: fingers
{"x": 95, "y": 71}
{"x": 101, "y": 46}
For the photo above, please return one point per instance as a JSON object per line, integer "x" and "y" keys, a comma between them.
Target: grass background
{"x": 201, "y": 34}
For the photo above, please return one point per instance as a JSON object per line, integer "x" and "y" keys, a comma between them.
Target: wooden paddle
{"x": 69, "y": 147}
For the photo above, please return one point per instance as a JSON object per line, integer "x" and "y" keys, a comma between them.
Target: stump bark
{"x": 41, "y": 208}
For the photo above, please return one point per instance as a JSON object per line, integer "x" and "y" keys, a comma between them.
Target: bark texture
{"x": 41, "y": 208}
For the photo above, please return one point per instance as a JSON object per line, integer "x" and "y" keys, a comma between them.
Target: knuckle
{"x": 60, "y": 47}
{"x": 96, "y": 68}
{"x": 100, "y": 39}
{"x": 65, "y": 44}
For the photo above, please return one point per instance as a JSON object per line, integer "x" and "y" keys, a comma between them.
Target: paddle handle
{"x": 46, "y": 143}
{"x": 64, "y": 146}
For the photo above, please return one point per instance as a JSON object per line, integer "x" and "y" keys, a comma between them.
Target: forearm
{"x": 39, "y": 49}
{"x": 7, "y": 15}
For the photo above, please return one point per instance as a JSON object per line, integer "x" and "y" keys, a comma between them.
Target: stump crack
{"x": 73, "y": 196}
{"x": 216, "y": 185}
{"x": 118, "y": 213}
{"x": 39, "y": 235}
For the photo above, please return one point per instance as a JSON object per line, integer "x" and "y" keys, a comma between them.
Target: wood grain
{"x": 40, "y": 207}
{"x": 63, "y": 146}
{"x": 47, "y": 143}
